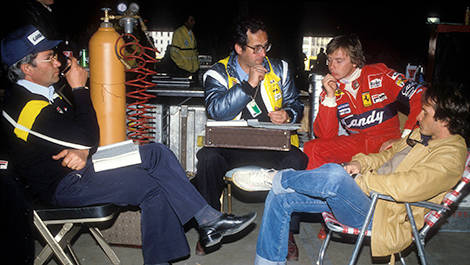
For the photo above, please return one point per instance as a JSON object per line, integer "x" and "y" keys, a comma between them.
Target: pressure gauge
{"x": 122, "y": 7}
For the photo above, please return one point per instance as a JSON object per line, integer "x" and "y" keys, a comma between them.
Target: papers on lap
{"x": 253, "y": 123}
{"x": 116, "y": 155}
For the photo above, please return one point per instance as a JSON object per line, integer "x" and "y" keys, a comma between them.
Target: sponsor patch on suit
{"x": 377, "y": 98}
{"x": 366, "y": 100}
{"x": 375, "y": 81}
{"x": 344, "y": 109}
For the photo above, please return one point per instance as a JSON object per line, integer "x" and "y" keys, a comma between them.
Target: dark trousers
{"x": 160, "y": 188}
{"x": 16, "y": 222}
{"x": 213, "y": 163}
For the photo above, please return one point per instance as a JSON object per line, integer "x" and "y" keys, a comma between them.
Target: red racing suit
{"x": 370, "y": 118}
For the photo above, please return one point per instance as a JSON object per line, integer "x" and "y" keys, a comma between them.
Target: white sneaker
{"x": 254, "y": 180}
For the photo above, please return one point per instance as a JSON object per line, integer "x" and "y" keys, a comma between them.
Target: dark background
{"x": 393, "y": 32}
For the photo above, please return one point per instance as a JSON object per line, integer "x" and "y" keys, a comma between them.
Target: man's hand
{"x": 77, "y": 75}
{"x": 72, "y": 158}
{"x": 256, "y": 75}
{"x": 278, "y": 116}
{"x": 352, "y": 167}
{"x": 329, "y": 83}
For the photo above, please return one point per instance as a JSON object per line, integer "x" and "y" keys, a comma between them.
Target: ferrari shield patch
{"x": 366, "y": 100}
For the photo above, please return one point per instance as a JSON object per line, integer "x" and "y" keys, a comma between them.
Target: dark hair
{"x": 351, "y": 44}
{"x": 452, "y": 105}
{"x": 251, "y": 24}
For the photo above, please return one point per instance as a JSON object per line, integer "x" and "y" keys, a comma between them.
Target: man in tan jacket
{"x": 422, "y": 167}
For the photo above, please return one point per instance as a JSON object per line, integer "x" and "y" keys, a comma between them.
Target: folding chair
{"x": 228, "y": 179}
{"x": 72, "y": 219}
{"x": 438, "y": 213}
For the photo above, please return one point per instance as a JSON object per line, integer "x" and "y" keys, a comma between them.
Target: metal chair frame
{"x": 227, "y": 194}
{"x": 88, "y": 216}
{"x": 437, "y": 214}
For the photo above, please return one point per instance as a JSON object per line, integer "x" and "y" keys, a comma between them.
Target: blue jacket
{"x": 226, "y": 97}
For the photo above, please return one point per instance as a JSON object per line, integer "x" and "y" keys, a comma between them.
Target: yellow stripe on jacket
{"x": 28, "y": 115}
{"x": 273, "y": 91}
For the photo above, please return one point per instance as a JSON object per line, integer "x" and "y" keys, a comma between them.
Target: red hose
{"x": 139, "y": 125}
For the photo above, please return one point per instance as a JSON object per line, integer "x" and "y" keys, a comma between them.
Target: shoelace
{"x": 261, "y": 177}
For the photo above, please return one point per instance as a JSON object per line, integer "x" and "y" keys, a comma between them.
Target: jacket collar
{"x": 355, "y": 75}
{"x": 433, "y": 143}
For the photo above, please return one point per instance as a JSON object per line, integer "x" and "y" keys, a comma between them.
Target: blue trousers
{"x": 327, "y": 188}
{"x": 160, "y": 188}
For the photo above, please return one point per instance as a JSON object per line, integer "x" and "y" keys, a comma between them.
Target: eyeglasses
{"x": 51, "y": 59}
{"x": 412, "y": 142}
{"x": 259, "y": 48}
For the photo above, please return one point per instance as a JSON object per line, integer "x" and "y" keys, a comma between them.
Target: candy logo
{"x": 375, "y": 117}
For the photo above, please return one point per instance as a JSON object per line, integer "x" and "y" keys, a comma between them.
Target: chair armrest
{"x": 431, "y": 206}
{"x": 381, "y": 196}
{"x": 424, "y": 204}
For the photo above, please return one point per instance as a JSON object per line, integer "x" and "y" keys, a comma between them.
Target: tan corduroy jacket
{"x": 426, "y": 174}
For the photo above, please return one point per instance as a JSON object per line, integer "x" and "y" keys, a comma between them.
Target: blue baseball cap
{"x": 23, "y": 41}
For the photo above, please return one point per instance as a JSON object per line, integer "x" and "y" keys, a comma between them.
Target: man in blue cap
{"x": 51, "y": 144}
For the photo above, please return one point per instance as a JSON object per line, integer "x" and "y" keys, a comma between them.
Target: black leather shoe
{"x": 212, "y": 233}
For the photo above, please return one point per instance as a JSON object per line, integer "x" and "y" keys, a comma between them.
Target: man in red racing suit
{"x": 365, "y": 99}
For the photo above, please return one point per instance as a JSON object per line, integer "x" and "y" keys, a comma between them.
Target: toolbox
{"x": 248, "y": 138}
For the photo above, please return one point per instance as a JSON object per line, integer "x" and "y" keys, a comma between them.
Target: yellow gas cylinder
{"x": 107, "y": 88}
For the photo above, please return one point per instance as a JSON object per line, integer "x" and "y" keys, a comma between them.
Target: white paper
{"x": 116, "y": 155}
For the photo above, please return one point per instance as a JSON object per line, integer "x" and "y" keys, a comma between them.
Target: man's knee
{"x": 156, "y": 147}
{"x": 317, "y": 146}
{"x": 336, "y": 173}
{"x": 314, "y": 150}
{"x": 208, "y": 155}
{"x": 155, "y": 152}
{"x": 275, "y": 201}
{"x": 302, "y": 160}
{"x": 295, "y": 159}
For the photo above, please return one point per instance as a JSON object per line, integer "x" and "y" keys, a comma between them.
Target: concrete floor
{"x": 443, "y": 248}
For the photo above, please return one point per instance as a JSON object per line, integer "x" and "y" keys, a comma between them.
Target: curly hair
{"x": 452, "y": 105}
{"x": 351, "y": 44}
{"x": 241, "y": 29}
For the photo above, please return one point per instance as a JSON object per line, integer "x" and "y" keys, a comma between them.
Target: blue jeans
{"x": 327, "y": 188}
{"x": 160, "y": 188}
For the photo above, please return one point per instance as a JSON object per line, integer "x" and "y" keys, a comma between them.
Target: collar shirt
{"x": 241, "y": 73}
{"x": 47, "y": 92}
{"x": 348, "y": 82}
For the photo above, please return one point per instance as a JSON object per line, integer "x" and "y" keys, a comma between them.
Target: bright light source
{"x": 433, "y": 20}
{"x": 122, "y": 7}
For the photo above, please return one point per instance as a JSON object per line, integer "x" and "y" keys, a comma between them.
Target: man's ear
{"x": 444, "y": 123}
{"x": 26, "y": 68}
{"x": 238, "y": 48}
